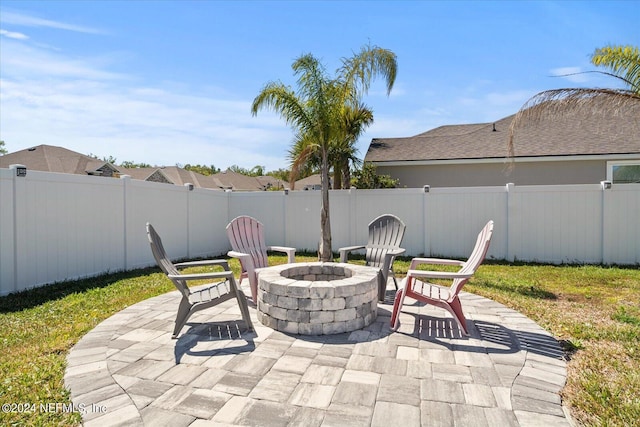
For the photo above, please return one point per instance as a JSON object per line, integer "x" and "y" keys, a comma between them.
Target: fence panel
{"x": 455, "y": 216}
{"x": 66, "y": 227}
{"x": 621, "y": 211}
{"x": 56, "y": 227}
{"x": 7, "y": 238}
{"x": 208, "y": 211}
{"x": 302, "y": 213}
{"x": 406, "y": 204}
{"x": 268, "y": 207}
{"x": 556, "y": 223}
{"x": 165, "y": 207}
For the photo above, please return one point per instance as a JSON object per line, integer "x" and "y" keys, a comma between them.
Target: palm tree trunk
{"x": 346, "y": 177}
{"x": 324, "y": 253}
{"x": 337, "y": 175}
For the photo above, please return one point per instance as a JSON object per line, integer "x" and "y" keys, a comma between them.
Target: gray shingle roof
{"x": 580, "y": 132}
{"x": 53, "y": 159}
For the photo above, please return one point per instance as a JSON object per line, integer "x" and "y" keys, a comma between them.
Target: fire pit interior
{"x": 317, "y": 298}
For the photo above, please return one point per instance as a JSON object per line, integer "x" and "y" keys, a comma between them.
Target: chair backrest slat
{"x": 163, "y": 261}
{"x": 475, "y": 259}
{"x": 246, "y": 235}
{"x": 385, "y": 233}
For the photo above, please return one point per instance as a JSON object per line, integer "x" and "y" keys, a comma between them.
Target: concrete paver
{"x": 508, "y": 372}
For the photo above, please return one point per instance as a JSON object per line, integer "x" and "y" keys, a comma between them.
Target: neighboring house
{"x": 574, "y": 148}
{"x": 57, "y": 159}
{"x": 50, "y": 158}
{"x": 312, "y": 182}
{"x": 270, "y": 182}
{"x": 229, "y": 180}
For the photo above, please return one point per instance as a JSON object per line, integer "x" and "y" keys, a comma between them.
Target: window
{"x": 624, "y": 172}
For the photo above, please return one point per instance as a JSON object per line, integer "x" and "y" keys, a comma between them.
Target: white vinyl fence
{"x": 56, "y": 227}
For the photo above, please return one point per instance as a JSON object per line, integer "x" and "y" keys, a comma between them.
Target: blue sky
{"x": 166, "y": 82}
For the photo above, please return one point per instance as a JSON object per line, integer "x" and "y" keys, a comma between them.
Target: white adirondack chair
{"x": 443, "y": 297}
{"x": 385, "y": 237}
{"x": 202, "y": 297}
{"x": 246, "y": 235}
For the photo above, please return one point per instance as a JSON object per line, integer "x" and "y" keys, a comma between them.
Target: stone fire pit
{"x": 317, "y": 298}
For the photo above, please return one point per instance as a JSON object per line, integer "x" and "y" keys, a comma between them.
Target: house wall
{"x": 56, "y": 227}
{"x": 487, "y": 174}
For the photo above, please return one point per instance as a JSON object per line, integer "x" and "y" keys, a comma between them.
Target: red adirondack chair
{"x": 246, "y": 235}
{"x": 446, "y": 298}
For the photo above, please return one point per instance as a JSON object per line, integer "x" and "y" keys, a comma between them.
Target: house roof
{"x": 575, "y": 133}
{"x": 268, "y": 181}
{"x": 236, "y": 181}
{"x": 50, "y": 158}
{"x": 311, "y": 181}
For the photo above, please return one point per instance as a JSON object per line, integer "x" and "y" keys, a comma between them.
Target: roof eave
{"x": 523, "y": 159}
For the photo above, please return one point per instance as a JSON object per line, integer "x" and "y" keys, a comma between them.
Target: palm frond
{"x": 282, "y": 100}
{"x": 358, "y": 71}
{"x": 623, "y": 61}
{"x": 554, "y": 102}
{"x": 304, "y": 155}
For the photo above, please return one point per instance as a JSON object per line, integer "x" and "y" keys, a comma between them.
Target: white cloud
{"x": 20, "y": 19}
{"x": 22, "y": 61}
{"x": 13, "y": 35}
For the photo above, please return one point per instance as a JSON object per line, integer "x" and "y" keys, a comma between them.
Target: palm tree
{"x": 355, "y": 119}
{"x": 623, "y": 63}
{"x": 317, "y": 112}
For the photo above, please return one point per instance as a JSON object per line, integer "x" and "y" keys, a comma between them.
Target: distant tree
{"x": 110, "y": 159}
{"x": 202, "y": 169}
{"x": 281, "y": 174}
{"x": 3, "y": 150}
{"x": 257, "y": 171}
{"x": 131, "y": 164}
{"x": 367, "y": 178}
{"x": 238, "y": 169}
{"x": 254, "y": 171}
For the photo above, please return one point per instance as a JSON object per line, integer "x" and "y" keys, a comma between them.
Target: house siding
{"x": 491, "y": 174}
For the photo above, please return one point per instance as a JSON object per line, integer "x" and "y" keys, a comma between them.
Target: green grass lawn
{"x": 594, "y": 311}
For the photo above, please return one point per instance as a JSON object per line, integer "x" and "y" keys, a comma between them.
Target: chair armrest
{"x": 441, "y": 261}
{"x": 388, "y": 262}
{"x": 291, "y": 252}
{"x": 438, "y": 274}
{"x": 345, "y": 251}
{"x": 240, "y": 255}
{"x": 202, "y": 276}
{"x": 396, "y": 252}
{"x": 221, "y": 262}
{"x": 388, "y": 259}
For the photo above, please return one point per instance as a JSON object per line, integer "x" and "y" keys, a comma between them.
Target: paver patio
{"x": 128, "y": 370}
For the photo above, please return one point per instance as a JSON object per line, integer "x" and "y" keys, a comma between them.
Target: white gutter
{"x": 504, "y": 160}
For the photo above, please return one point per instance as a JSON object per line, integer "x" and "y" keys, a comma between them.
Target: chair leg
{"x": 382, "y": 286}
{"x": 397, "y": 306}
{"x": 456, "y": 309}
{"x": 244, "y": 309}
{"x": 182, "y": 316}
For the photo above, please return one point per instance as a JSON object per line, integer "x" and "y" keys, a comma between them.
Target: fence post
{"x": 19, "y": 208}
{"x": 353, "y": 215}
{"x": 126, "y": 180}
{"x": 426, "y": 237}
{"x": 189, "y": 186}
{"x": 604, "y": 186}
{"x": 285, "y": 198}
{"x": 510, "y": 207}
